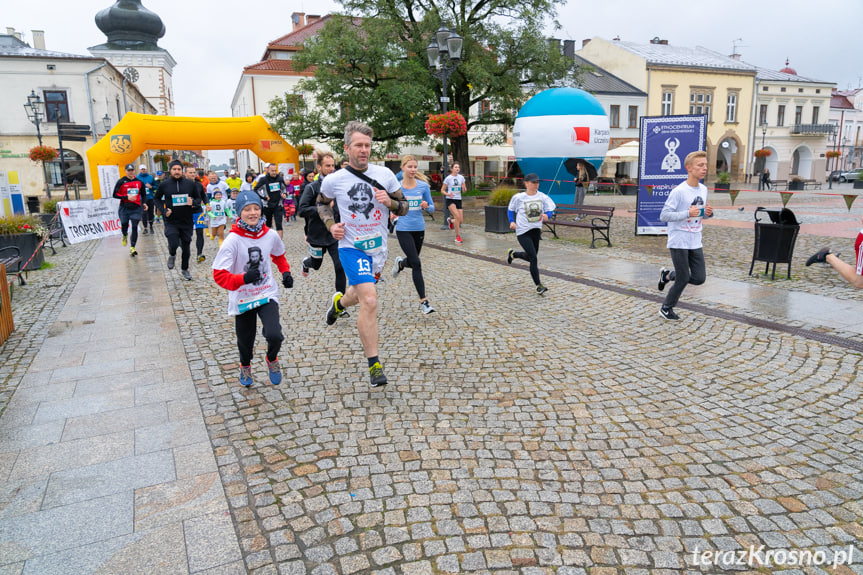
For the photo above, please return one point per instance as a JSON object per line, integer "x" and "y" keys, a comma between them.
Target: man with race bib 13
{"x": 365, "y": 194}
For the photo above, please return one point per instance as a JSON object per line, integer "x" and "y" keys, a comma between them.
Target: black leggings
{"x": 149, "y": 214}
{"x": 199, "y": 240}
{"x": 688, "y": 269}
{"x": 247, "y": 327}
{"x": 411, "y": 244}
{"x": 179, "y": 237}
{"x": 333, "y": 250}
{"x": 529, "y": 242}
{"x": 274, "y": 213}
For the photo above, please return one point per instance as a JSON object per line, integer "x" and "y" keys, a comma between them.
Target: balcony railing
{"x": 813, "y": 129}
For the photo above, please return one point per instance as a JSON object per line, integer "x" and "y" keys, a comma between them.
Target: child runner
{"x": 527, "y": 210}
{"x": 290, "y": 208}
{"x": 217, "y": 212}
{"x": 684, "y": 210}
{"x": 452, "y": 188}
{"x": 214, "y": 184}
{"x": 294, "y": 192}
{"x": 249, "y": 184}
{"x": 242, "y": 266}
{"x": 230, "y": 210}
{"x": 410, "y": 229}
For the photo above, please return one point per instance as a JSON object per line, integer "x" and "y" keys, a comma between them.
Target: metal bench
{"x": 595, "y": 218}
{"x": 11, "y": 256}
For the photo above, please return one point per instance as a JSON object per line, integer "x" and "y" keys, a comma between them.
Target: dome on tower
{"x": 788, "y": 69}
{"x": 130, "y": 26}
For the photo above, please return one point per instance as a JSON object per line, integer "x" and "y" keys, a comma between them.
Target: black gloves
{"x": 287, "y": 280}
{"x": 254, "y": 273}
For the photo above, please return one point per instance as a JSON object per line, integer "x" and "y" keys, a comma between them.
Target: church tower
{"x": 133, "y": 33}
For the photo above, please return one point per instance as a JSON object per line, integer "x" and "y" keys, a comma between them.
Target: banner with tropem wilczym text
{"x": 90, "y": 219}
{"x": 665, "y": 141}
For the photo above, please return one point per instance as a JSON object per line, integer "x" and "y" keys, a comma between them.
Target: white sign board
{"x": 90, "y": 219}
{"x": 108, "y": 178}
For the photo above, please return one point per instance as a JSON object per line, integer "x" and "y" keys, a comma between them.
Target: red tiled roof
{"x": 296, "y": 38}
{"x": 273, "y": 66}
{"x": 840, "y": 102}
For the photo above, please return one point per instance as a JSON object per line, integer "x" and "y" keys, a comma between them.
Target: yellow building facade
{"x": 682, "y": 80}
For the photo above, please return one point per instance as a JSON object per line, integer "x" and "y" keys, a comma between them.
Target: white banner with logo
{"x": 90, "y": 219}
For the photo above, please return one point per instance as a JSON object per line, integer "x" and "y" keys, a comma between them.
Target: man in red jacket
{"x": 129, "y": 191}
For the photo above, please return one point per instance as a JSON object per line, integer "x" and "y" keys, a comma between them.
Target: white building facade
{"x": 846, "y": 115}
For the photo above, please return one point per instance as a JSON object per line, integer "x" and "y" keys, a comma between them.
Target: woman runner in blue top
{"x": 410, "y": 229}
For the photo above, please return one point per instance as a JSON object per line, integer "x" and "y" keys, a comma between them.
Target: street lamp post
{"x": 832, "y": 164}
{"x": 764, "y": 165}
{"x": 35, "y": 108}
{"x": 444, "y": 53}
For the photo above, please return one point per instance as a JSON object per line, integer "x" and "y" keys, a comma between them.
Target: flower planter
{"x": 795, "y": 185}
{"x": 27, "y": 243}
{"x": 720, "y": 187}
{"x": 496, "y": 219}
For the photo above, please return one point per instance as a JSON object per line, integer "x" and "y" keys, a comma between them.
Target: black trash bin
{"x": 33, "y": 204}
{"x": 774, "y": 240}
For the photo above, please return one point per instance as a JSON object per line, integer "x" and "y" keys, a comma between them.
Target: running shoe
{"x": 398, "y": 267}
{"x": 391, "y": 225}
{"x": 132, "y": 251}
{"x": 426, "y": 307}
{"x": 124, "y": 241}
{"x": 376, "y": 373}
{"x": 245, "y": 375}
{"x": 458, "y": 239}
{"x": 201, "y": 257}
{"x": 144, "y": 232}
{"x": 171, "y": 262}
{"x": 510, "y": 253}
{"x": 275, "y": 371}
{"x": 541, "y": 289}
{"x": 663, "y": 279}
{"x": 333, "y": 313}
{"x": 819, "y": 257}
{"x": 186, "y": 275}
{"x": 451, "y": 225}
{"x": 305, "y": 267}
{"x": 668, "y": 313}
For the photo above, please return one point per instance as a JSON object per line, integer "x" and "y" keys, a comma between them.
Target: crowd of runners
{"x": 348, "y": 215}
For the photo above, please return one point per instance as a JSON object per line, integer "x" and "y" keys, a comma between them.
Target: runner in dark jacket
{"x": 178, "y": 198}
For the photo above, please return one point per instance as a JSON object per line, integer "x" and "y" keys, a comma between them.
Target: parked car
{"x": 851, "y": 175}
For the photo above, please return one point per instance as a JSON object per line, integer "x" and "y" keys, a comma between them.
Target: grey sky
{"x": 212, "y": 41}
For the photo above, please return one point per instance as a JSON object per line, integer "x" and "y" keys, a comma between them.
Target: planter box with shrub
{"x": 496, "y": 219}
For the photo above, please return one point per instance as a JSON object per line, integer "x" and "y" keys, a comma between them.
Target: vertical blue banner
{"x": 664, "y": 143}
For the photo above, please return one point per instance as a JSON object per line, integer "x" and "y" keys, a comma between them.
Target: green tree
{"x": 370, "y": 64}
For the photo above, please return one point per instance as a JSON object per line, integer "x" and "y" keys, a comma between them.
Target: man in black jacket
{"x": 317, "y": 236}
{"x": 177, "y": 198}
{"x": 129, "y": 190}
{"x": 272, "y": 189}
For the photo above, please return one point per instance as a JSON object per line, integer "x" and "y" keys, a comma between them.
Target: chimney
{"x": 312, "y": 18}
{"x": 569, "y": 48}
{"x": 664, "y": 42}
{"x": 734, "y": 56}
{"x": 585, "y": 42}
{"x": 38, "y": 39}
{"x": 299, "y": 19}
{"x": 11, "y": 31}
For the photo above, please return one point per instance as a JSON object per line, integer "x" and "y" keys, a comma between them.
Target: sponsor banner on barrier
{"x": 665, "y": 141}
{"x": 90, "y": 219}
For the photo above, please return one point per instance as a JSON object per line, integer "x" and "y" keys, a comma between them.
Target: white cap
{"x": 233, "y": 172}
{"x": 142, "y": 167}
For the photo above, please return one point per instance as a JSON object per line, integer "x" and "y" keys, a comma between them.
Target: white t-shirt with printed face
{"x": 529, "y": 209}
{"x": 235, "y": 255}
{"x": 454, "y": 185}
{"x": 686, "y": 234}
{"x": 364, "y": 217}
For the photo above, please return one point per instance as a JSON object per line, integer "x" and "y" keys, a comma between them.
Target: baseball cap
{"x": 130, "y": 166}
{"x": 233, "y": 172}
{"x": 531, "y": 177}
{"x": 142, "y": 167}
{"x": 160, "y": 173}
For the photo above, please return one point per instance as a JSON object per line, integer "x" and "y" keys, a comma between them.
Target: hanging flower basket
{"x": 305, "y": 149}
{"x": 162, "y": 158}
{"x": 43, "y": 154}
{"x": 763, "y": 153}
{"x": 833, "y": 154}
{"x": 451, "y": 124}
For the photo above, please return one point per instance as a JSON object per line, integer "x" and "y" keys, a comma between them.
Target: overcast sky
{"x": 212, "y": 40}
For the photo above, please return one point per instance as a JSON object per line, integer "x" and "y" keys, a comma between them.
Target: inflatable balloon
{"x": 553, "y": 129}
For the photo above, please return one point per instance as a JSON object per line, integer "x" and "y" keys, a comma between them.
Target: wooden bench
{"x": 595, "y": 218}
{"x": 11, "y": 256}
{"x": 811, "y": 185}
{"x": 779, "y": 184}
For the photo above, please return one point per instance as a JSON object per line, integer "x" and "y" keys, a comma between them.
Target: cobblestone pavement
{"x": 572, "y": 433}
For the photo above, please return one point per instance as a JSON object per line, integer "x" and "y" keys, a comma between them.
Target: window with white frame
{"x": 667, "y": 103}
{"x": 731, "y": 108}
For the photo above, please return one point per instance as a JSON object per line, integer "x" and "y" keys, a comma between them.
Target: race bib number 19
{"x": 370, "y": 243}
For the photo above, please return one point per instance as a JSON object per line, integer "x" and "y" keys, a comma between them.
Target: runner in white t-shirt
{"x": 364, "y": 203}
{"x": 453, "y": 186}
{"x": 527, "y": 211}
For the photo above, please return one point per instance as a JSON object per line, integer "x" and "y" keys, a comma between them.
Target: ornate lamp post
{"x": 106, "y": 123}
{"x": 444, "y": 53}
{"x": 35, "y": 108}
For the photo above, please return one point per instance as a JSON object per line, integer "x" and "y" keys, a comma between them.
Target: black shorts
{"x": 450, "y": 202}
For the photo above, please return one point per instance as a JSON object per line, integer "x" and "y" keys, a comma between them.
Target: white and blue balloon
{"x": 555, "y": 126}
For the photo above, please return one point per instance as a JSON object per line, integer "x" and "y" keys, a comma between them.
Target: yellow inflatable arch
{"x": 137, "y": 133}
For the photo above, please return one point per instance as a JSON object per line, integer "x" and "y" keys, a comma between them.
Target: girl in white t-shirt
{"x": 453, "y": 186}
{"x": 242, "y": 267}
{"x": 217, "y": 210}
{"x": 527, "y": 211}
